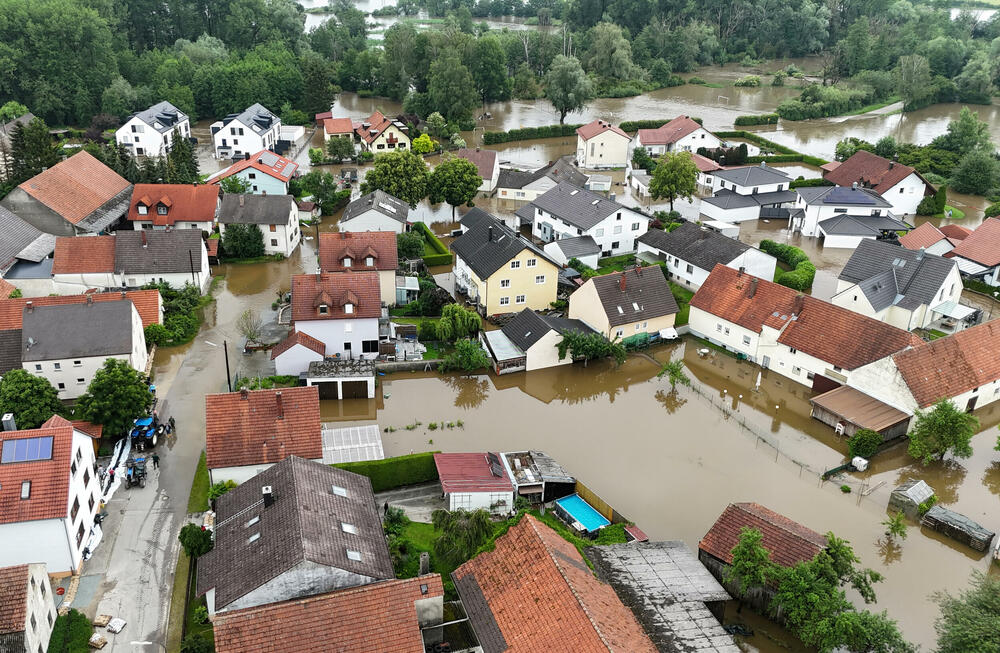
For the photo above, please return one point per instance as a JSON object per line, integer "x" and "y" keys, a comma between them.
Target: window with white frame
{"x": 519, "y": 299}
{"x": 505, "y": 283}
{"x": 514, "y": 265}
{"x": 532, "y": 262}
{"x": 620, "y": 332}
{"x": 504, "y": 301}
{"x": 539, "y": 278}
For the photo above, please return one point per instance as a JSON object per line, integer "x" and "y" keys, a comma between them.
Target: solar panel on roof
{"x": 844, "y": 195}
{"x": 26, "y": 450}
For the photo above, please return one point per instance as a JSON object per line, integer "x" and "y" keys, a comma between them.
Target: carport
{"x": 847, "y": 410}
{"x": 342, "y": 379}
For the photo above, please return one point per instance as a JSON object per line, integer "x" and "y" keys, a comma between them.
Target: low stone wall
{"x": 407, "y": 366}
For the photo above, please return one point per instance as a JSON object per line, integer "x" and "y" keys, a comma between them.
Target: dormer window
{"x": 142, "y": 209}
{"x": 161, "y": 209}
{"x": 347, "y": 261}
{"x": 324, "y": 309}
{"x": 369, "y": 261}
{"x": 348, "y": 308}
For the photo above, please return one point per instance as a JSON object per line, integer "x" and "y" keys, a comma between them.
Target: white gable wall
{"x": 906, "y": 195}
{"x": 616, "y": 234}
{"x": 605, "y": 150}
{"x": 144, "y": 140}
{"x": 295, "y": 360}
{"x": 372, "y": 220}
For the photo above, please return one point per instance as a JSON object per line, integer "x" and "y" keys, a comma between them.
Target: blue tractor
{"x": 135, "y": 472}
{"x": 146, "y": 432}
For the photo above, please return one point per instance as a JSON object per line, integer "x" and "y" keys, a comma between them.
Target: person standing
{"x": 156, "y": 461}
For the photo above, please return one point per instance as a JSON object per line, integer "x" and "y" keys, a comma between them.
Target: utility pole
{"x": 225, "y": 349}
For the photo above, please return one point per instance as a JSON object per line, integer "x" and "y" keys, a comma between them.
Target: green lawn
{"x": 175, "y": 624}
{"x": 198, "y": 499}
{"x": 683, "y": 297}
{"x": 615, "y": 263}
{"x": 873, "y": 107}
{"x": 194, "y": 627}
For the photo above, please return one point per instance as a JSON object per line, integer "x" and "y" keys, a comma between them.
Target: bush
{"x": 809, "y": 183}
{"x": 803, "y": 272}
{"x": 529, "y": 133}
{"x": 864, "y": 443}
{"x": 427, "y": 331}
{"x": 196, "y": 643}
{"x": 992, "y": 210}
{"x": 196, "y": 540}
{"x": 220, "y": 488}
{"x": 396, "y": 472}
{"x": 70, "y": 633}
{"x": 762, "y": 119}
{"x": 156, "y": 334}
{"x": 441, "y": 255}
{"x": 751, "y": 81}
{"x": 929, "y": 503}
{"x": 927, "y": 206}
{"x": 696, "y": 80}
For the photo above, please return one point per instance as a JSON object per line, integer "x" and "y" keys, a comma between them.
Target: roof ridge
{"x": 781, "y": 525}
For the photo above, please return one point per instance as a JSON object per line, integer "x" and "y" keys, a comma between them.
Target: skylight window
{"x": 354, "y": 555}
{"x": 252, "y": 522}
{"x": 253, "y": 538}
{"x": 635, "y": 306}
{"x": 339, "y": 491}
{"x": 620, "y": 311}
{"x": 26, "y": 450}
{"x": 349, "y": 528}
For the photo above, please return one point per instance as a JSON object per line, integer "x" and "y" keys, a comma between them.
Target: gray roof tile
{"x": 889, "y": 274}
{"x": 758, "y": 175}
{"x": 579, "y": 246}
{"x": 377, "y": 200}
{"x": 646, "y": 296}
{"x": 839, "y": 196}
{"x": 487, "y": 246}
{"x": 696, "y": 245}
{"x": 576, "y": 206}
{"x": 255, "y": 209}
{"x": 164, "y": 114}
{"x": 562, "y": 170}
{"x": 18, "y": 239}
{"x": 861, "y": 225}
{"x": 165, "y": 251}
{"x": 528, "y": 327}
{"x": 76, "y": 330}
{"x": 10, "y": 350}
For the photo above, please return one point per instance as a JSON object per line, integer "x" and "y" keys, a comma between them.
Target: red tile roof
{"x": 282, "y": 168}
{"x": 598, "y": 127}
{"x": 87, "y": 428}
{"x": 184, "y": 202}
{"x": 6, "y": 288}
{"x": 787, "y": 541}
{"x": 704, "y": 163}
{"x": 298, "y": 338}
{"x": 484, "y": 160}
{"x": 469, "y": 472}
{"x": 830, "y": 165}
{"x": 338, "y": 126}
{"x": 872, "y": 171}
{"x": 49, "y": 478}
{"x": 377, "y": 122}
{"x": 320, "y": 117}
{"x": 13, "y": 598}
{"x": 212, "y": 246}
{"x": 147, "y": 303}
{"x": 84, "y": 254}
{"x": 955, "y": 232}
{"x": 949, "y": 366}
{"x": 248, "y": 428}
{"x": 833, "y": 334}
{"x": 335, "y": 290}
{"x": 76, "y": 187}
{"x": 924, "y": 236}
{"x": 377, "y": 617}
{"x": 982, "y": 245}
{"x": 357, "y": 245}
{"x": 670, "y": 132}
{"x": 543, "y": 597}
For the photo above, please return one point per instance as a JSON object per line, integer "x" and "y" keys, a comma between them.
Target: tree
{"x": 943, "y": 429}
{"x": 895, "y": 525}
{"x": 340, "y": 148}
{"x": 234, "y": 185}
{"x": 409, "y": 245}
{"x": 455, "y": 180}
{"x": 886, "y": 147}
{"x": 913, "y": 81}
{"x": 674, "y": 371}
{"x": 567, "y": 86}
{"x": 437, "y": 125}
{"x": 965, "y": 134}
{"x": 609, "y": 54}
{"x": 423, "y": 144}
{"x": 196, "y": 540}
{"x": 864, "y": 443}
{"x": 970, "y": 622}
{"x": 11, "y": 110}
{"x": 751, "y": 566}
{"x": 117, "y": 395}
{"x": 401, "y": 174}
{"x": 675, "y": 177}
{"x": 220, "y": 488}
{"x": 243, "y": 241}
{"x": 588, "y": 346}
{"x": 31, "y": 150}
{"x": 451, "y": 89}
{"x": 250, "y": 325}
{"x": 457, "y": 322}
{"x": 325, "y": 191}
{"x": 31, "y": 399}
{"x": 156, "y": 334}
{"x": 468, "y": 356}
{"x": 488, "y": 65}
{"x": 462, "y": 532}
{"x": 977, "y": 173}
{"x": 975, "y": 82}
{"x": 182, "y": 161}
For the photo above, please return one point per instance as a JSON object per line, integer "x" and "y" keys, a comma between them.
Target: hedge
{"x": 992, "y": 210}
{"x": 762, "y": 119}
{"x": 810, "y": 183}
{"x": 71, "y": 633}
{"x": 528, "y": 133}
{"x": 803, "y": 272}
{"x": 636, "y": 125}
{"x": 395, "y": 472}
{"x": 979, "y": 286}
{"x": 441, "y": 255}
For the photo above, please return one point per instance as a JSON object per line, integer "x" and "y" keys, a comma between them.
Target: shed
{"x": 507, "y": 357}
{"x": 537, "y": 477}
{"x": 598, "y": 183}
{"x": 848, "y": 410}
{"x": 342, "y": 379}
{"x": 471, "y": 481}
{"x": 958, "y": 527}
{"x": 352, "y": 444}
{"x": 908, "y": 497}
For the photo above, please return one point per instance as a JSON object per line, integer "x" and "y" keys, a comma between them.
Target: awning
{"x": 969, "y": 267}
{"x": 858, "y": 408}
{"x": 953, "y": 309}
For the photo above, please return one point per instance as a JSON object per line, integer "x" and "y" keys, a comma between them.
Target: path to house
{"x": 418, "y": 501}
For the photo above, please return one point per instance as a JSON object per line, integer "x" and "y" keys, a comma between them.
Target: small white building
{"x": 526, "y": 186}
{"x": 752, "y": 180}
{"x": 376, "y": 211}
{"x": 471, "y": 481}
{"x": 276, "y": 216}
{"x": 487, "y": 162}
{"x": 292, "y": 355}
{"x": 341, "y": 310}
{"x": 252, "y": 130}
{"x": 743, "y": 193}
{"x": 151, "y": 132}
{"x": 248, "y": 431}
{"x": 529, "y": 342}
{"x": 342, "y": 379}
{"x": 568, "y": 211}
{"x": 264, "y": 173}
{"x": 583, "y": 248}
{"x": 902, "y": 186}
{"x": 28, "y": 611}
{"x": 338, "y": 128}
{"x": 691, "y": 252}
{"x": 599, "y": 145}
{"x": 843, "y": 217}
{"x": 680, "y": 134}
{"x": 51, "y": 493}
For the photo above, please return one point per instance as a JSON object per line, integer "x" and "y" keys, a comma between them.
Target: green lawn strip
{"x": 872, "y": 107}
{"x": 194, "y": 627}
{"x": 615, "y": 263}
{"x": 683, "y": 297}
{"x": 198, "y": 499}
{"x": 175, "y": 624}
{"x": 935, "y": 334}
{"x": 267, "y": 258}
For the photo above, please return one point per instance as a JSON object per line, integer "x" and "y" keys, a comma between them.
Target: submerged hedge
{"x": 762, "y": 119}
{"x": 528, "y": 133}
{"x": 803, "y": 272}
{"x": 396, "y": 472}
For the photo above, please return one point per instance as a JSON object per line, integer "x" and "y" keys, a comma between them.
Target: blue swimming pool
{"x": 575, "y": 508}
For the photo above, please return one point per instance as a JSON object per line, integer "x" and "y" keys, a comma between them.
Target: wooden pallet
{"x": 97, "y": 641}
{"x": 101, "y": 620}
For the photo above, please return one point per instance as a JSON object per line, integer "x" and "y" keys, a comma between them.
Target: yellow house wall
{"x": 538, "y": 296}
{"x": 401, "y": 137}
{"x": 585, "y": 305}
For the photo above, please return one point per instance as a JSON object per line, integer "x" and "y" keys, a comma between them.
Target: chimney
{"x": 740, "y": 273}
{"x": 263, "y": 192}
{"x": 800, "y": 301}
{"x": 489, "y": 229}
{"x": 90, "y": 299}
{"x": 144, "y": 243}
{"x": 621, "y": 282}
{"x": 281, "y": 407}
{"x": 267, "y": 495}
{"x": 854, "y": 185}
{"x": 752, "y": 290}
{"x": 124, "y": 294}
{"x": 29, "y": 306}
{"x": 8, "y": 422}
{"x": 319, "y": 274}
{"x": 638, "y": 270}
{"x": 920, "y": 254}
{"x": 892, "y": 164}
{"x": 244, "y": 394}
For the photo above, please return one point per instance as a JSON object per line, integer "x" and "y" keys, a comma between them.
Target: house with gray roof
{"x": 527, "y": 185}
{"x": 568, "y": 211}
{"x": 150, "y": 132}
{"x": 376, "y": 211}
{"x": 583, "y": 248}
{"x": 20, "y": 241}
{"x": 628, "y": 304}
{"x": 529, "y": 342}
{"x": 905, "y": 288}
{"x": 500, "y": 271}
{"x": 276, "y": 216}
{"x": 740, "y": 193}
{"x": 68, "y": 343}
{"x": 844, "y": 216}
{"x": 691, "y": 251}
{"x": 296, "y": 529}
{"x": 251, "y": 130}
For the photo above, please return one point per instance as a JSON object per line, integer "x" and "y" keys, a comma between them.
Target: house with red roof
{"x": 978, "y": 255}
{"x": 902, "y": 186}
{"x": 77, "y": 196}
{"x": 173, "y": 206}
{"x": 471, "y": 481}
{"x": 292, "y": 355}
{"x": 487, "y": 162}
{"x": 534, "y": 592}
{"x": 339, "y": 309}
{"x": 337, "y": 128}
{"x": 27, "y": 611}
{"x": 381, "y": 134}
{"x": 680, "y": 134}
{"x": 49, "y": 494}
{"x": 356, "y": 251}
{"x": 930, "y": 239}
{"x": 810, "y": 341}
{"x": 599, "y": 144}
{"x": 264, "y": 173}
{"x": 248, "y": 431}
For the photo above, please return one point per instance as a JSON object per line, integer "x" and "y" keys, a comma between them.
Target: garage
{"x": 355, "y": 389}
{"x": 342, "y": 379}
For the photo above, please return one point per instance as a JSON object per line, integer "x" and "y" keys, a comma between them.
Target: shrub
{"x": 196, "y": 540}
{"x": 196, "y": 643}
{"x": 803, "y": 272}
{"x": 751, "y": 81}
{"x": 864, "y": 443}
{"x": 927, "y": 206}
{"x": 529, "y": 133}
{"x": 427, "y": 331}
{"x": 696, "y": 80}
{"x": 395, "y": 472}
{"x": 70, "y": 633}
{"x": 156, "y": 334}
{"x": 440, "y": 255}
{"x": 220, "y": 488}
{"x": 846, "y": 489}
{"x": 929, "y": 503}
{"x": 992, "y": 210}
{"x": 762, "y": 119}
{"x": 809, "y": 183}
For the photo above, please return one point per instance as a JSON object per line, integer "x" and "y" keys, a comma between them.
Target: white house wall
{"x": 544, "y": 352}
{"x": 249, "y": 142}
{"x": 906, "y": 195}
{"x": 743, "y": 214}
{"x": 240, "y": 474}
{"x": 39, "y": 605}
{"x": 606, "y": 150}
{"x": 149, "y": 142}
{"x": 690, "y": 143}
{"x": 295, "y": 360}
{"x": 756, "y": 263}
{"x": 631, "y": 224}
{"x": 718, "y": 183}
{"x": 843, "y": 242}
{"x": 372, "y": 220}
{"x": 334, "y": 333}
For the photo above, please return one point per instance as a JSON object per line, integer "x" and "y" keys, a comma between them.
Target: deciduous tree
{"x": 409, "y": 245}
{"x": 401, "y": 174}
{"x": 567, "y": 86}
{"x": 31, "y": 399}
{"x": 468, "y": 356}
{"x": 117, "y": 395}
{"x": 977, "y": 172}
{"x": 454, "y": 180}
{"x": 675, "y": 177}
{"x": 423, "y": 144}
{"x": 942, "y": 430}
{"x": 458, "y": 322}
{"x": 674, "y": 371}
{"x": 234, "y": 185}
{"x": 196, "y": 540}
{"x": 340, "y": 148}
{"x": 243, "y": 241}
{"x": 589, "y": 346}
{"x": 751, "y": 566}
{"x": 462, "y": 532}
{"x": 970, "y": 622}
{"x": 451, "y": 89}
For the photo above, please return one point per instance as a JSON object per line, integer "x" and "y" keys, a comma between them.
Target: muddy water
{"x": 672, "y": 462}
